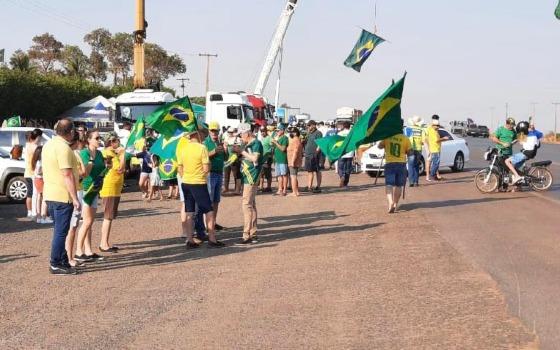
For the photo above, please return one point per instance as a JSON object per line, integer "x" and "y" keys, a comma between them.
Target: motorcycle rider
{"x": 530, "y": 142}
{"x": 505, "y": 137}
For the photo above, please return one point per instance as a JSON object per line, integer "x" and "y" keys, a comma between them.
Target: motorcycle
{"x": 498, "y": 177}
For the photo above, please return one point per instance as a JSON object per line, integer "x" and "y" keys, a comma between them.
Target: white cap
{"x": 243, "y": 127}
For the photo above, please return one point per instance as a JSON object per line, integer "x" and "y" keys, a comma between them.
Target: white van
{"x": 139, "y": 103}
{"x": 228, "y": 109}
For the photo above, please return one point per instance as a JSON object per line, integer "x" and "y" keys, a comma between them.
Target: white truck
{"x": 228, "y": 109}
{"x": 139, "y": 103}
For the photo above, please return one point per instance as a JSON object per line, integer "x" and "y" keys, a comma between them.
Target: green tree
{"x": 119, "y": 52}
{"x": 199, "y": 100}
{"x": 98, "y": 39}
{"x": 75, "y": 62}
{"x": 20, "y": 61}
{"x": 159, "y": 65}
{"x": 97, "y": 67}
{"x": 45, "y": 51}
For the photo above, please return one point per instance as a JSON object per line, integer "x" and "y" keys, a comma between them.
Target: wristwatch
{"x": 91, "y": 160}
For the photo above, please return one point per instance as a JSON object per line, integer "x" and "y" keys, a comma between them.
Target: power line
{"x": 40, "y": 12}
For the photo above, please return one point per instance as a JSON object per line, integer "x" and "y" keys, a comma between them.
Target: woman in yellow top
{"x": 112, "y": 188}
{"x": 397, "y": 149}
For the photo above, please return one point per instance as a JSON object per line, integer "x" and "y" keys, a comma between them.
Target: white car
{"x": 12, "y": 182}
{"x": 9, "y": 137}
{"x": 454, "y": 154}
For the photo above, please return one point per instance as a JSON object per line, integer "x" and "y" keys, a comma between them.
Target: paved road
{"x": 478, "y": 146}
{"x": 513, "y": 236}
{"x": 332, "y": 271}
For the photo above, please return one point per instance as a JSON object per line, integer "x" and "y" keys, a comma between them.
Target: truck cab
{"x": 139, "y": 103}
{"x": 228, "y": 109}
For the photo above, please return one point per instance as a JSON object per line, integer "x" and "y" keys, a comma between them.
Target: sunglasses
{"x": 98, "y": 138}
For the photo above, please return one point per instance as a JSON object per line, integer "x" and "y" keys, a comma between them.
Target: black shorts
{"x": 29, "y": 182}
{"x": 170, "y": 182}
{"x": 197, "y": 195}
{"x": 311, "y": 163}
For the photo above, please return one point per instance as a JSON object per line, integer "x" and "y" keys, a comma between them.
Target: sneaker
{"x": 217, "y": 244}
{"x": 317, "y": 190}
{"x": 192, "y": 245}
{"x": 219, "y": 227}
{"x": 94, "y": 257}
{"x": 516, "y": 179}
{"x": 47, "y": 220}
{"x": 63, "y": 270}
{"x": 40, "y": 220}
{"x": 83, "y": 258}
{"x": 254, "y": 240}
{"x": 246, "y": 241}
{"x": 30, "y": 214}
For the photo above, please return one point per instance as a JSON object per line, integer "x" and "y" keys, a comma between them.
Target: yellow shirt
{"x": 113, "y": 181}
{"x": 192, "y": 156}
{"x": 432, "y": 135}
{"x": 57, "y": 155}
{"x": 396, "y": 148}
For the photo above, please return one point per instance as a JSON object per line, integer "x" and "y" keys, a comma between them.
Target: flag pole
{"x": 375, "y": 17}
{"x": 379, "y": 168}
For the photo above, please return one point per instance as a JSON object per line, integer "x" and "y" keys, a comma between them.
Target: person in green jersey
{"x": 251, "y": 165}
{"x": 505, "y": 137}
{"x": 280, "y": 142}
{"x": 266, "y": 140}
{"x": 216, "y": 153}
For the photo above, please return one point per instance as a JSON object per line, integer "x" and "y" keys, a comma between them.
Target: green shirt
{"x": 92, "y": 183}
{"x": 281, "y": 157}
{"x": 216, "y": 161}
{"x": 251, "y": 171}
{"x": 505, "y": 135}
{"x": 267, "y": 145}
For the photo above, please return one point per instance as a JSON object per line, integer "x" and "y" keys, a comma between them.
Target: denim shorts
{"x": 281, "y": 169}
{"x": 395, "y": 174}
{"x": 215, "y": 182}
{"x": 518, "y": 159}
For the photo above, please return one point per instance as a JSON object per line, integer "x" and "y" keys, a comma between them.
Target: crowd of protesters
{"x": 71, "y": 175}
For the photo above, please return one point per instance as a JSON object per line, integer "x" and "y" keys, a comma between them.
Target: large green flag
{"x": 166, "y": 148}
{"x": 380, "y": 121}
{"x": 173, "y": 116}
{"x": 362, "y": 50}
{"x": 137, "y": 134}
{"x": 557, "y": 11}
{"x": 14, "y": 121}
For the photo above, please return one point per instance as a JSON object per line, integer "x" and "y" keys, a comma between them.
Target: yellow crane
{"x": 139, "y": 37}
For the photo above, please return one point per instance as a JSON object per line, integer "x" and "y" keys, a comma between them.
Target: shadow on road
{"x": 453, "y": 203}
{"x": 13, "y": 257}
{"x": 172, "y": 250}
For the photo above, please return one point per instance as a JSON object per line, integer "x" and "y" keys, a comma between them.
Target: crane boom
{"x": 275, "y": 45}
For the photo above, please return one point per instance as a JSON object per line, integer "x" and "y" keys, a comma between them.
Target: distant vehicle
{"x": 139, "y": 103}
{"x": 9, "y": 137}
{"x": 483, "y": 131}
{"x": 229, "y": 109}
{"x": 12, "y": 182}
{"x": 472, "y": 130}
{"x": 303, "y": 118}
{"x": 458, "y": 127}
{"x": 262, "y": 111}
{"x": 454, "y": 154}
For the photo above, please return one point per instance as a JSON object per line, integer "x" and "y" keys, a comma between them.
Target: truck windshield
{"x": 132, "y": 112}
{"x": 248, "y": 112}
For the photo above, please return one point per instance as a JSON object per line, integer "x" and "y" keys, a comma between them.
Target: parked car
{"x": 454, "y": 154}
{"x": 12, "y": 182}
{"x": 483, "y": 131}
{"x": 9, "y": 137}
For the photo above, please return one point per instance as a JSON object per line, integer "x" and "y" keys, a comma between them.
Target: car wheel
{"x": 422, "y": 166}
{"x": 459, "y": 163}
{"x": 17, "y": 189}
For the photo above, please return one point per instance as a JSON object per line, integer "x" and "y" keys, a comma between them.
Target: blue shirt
{"x": 146, "y": 159}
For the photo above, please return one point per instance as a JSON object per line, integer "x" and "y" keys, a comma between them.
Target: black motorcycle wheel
{"x": 540, "y": 179}
{"x": 486, "y": 181}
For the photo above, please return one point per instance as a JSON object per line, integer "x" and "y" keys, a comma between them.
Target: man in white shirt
{"x": 345, "y": 162}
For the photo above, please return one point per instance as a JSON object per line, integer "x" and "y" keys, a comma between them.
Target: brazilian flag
{"x": 137, "y": 134}
{"x": 14, "y": 121}
{"x": 380, "y": 121}
{"x": 362, "y": 50}
{"x": 165, "y": 148}
{"x": 557, "y": 11}
{"x": 173, "y": 116}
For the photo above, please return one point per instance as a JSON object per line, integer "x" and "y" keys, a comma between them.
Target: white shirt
{"x": 344, "y": 133}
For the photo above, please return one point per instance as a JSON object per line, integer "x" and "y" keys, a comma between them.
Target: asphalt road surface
{"x": 331, "y": 271}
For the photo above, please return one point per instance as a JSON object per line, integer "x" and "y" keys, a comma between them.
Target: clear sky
{"x": 462, "y": 57}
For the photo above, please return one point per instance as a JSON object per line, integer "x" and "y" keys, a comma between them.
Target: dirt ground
{"x": 332, "y": 270}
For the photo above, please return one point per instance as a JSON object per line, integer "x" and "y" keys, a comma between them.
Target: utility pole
{"x": 492, "y": 117}
{"x": 139, "y": 36}
{"x": 533, "y": 104}
{"x": 555, "y": 119}
{"x": 207, "y": 55}
{"x": 507, "y": 110}
{"x": 182, "y": 80}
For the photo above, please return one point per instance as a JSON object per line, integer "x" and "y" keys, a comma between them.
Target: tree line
{"x": 110, "y": 59}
